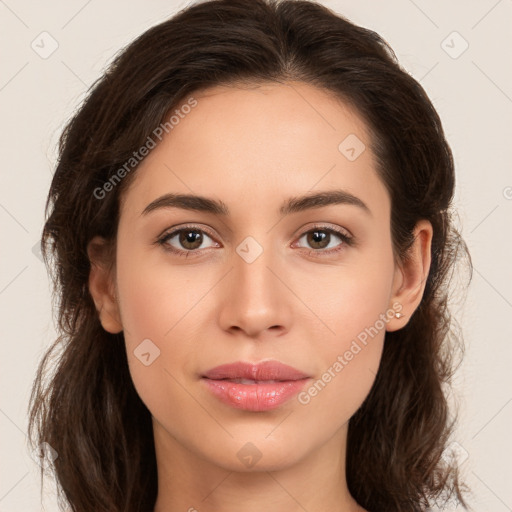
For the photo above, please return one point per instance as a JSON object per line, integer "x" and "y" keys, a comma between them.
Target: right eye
{"x": 190, "y": 239}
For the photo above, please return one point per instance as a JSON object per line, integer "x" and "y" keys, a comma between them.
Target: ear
{"x": 101, "y": 285}
{"x": 411, "y": 276}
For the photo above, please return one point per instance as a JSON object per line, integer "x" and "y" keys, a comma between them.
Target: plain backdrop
{"x": 460, "y": 51}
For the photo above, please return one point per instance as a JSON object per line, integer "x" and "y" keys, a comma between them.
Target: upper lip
{"x": 266, "y": 370}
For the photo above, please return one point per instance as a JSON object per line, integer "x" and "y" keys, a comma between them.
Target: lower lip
{"x": 254, "y": 397}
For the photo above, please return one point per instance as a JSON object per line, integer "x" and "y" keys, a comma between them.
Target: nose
{"x": 254, "y": 298}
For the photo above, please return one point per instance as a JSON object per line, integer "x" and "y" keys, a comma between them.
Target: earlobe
{"x": 411, "y": 277}
{"x": 101, "y": 286}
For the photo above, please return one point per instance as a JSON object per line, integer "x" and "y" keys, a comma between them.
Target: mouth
{"x": 264, "y": 371}
{"x": 249, "y": 381}
{"x": 254, "y": 387}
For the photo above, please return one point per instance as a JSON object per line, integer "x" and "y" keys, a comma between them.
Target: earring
{"x": 398, "y": 315}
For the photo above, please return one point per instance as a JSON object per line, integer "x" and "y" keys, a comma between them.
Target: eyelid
{"x": 326, "y": 226}
{"x": 193, "y": 227}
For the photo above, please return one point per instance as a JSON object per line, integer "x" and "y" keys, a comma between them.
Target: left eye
{"x": 189, "y": 239}
{"x": 321, "y": 238}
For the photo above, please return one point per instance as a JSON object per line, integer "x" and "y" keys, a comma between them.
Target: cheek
{"x": 348, "y": 299}
{"x": 354, "y": 305}
{"x": 156, "y": 297}
{"x": 348, "y": 361}
{"x": 162, "y": 307}
{"x": 146, "y": 316}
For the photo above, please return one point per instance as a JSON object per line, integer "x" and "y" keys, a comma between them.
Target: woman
{"x": 250, "y": 231}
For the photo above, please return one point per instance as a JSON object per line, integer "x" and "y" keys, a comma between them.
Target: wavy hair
{"x": 83, "y": 402}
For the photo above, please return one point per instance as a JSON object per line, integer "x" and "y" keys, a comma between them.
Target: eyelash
{"x": 347, "y": 240}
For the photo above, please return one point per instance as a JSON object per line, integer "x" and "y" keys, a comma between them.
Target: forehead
{"x": 251, "y": 116}
{"x": 256, "y": 141}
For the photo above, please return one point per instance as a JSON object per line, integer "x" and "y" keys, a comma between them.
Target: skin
{"x": 253, "y": 148}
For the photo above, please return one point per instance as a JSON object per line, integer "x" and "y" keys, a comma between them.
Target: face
{"x": 272, "y": 278}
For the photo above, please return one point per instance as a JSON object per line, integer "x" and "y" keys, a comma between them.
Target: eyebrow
{"x": 292, "y": 205}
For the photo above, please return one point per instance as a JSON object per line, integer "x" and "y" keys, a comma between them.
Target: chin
{"x": 255, "y": 454}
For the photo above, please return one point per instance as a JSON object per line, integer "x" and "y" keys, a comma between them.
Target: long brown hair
{"x": 84, "y": 404}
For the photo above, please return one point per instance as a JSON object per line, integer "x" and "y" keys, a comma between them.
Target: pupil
{"x": 319, "y": 236}
{"x": 190, "y": 237}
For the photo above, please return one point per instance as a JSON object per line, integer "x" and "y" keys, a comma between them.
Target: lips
{"x": 265, "y": 371}
{"x": 254, "y": 387}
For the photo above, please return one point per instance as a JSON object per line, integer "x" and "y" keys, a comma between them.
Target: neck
{"x": 189, "y": 483}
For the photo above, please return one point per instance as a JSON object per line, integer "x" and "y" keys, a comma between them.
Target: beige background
{"x": 472, "y": 92}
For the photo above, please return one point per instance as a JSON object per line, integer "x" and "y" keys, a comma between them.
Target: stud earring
{"x": 398, "y": 315}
